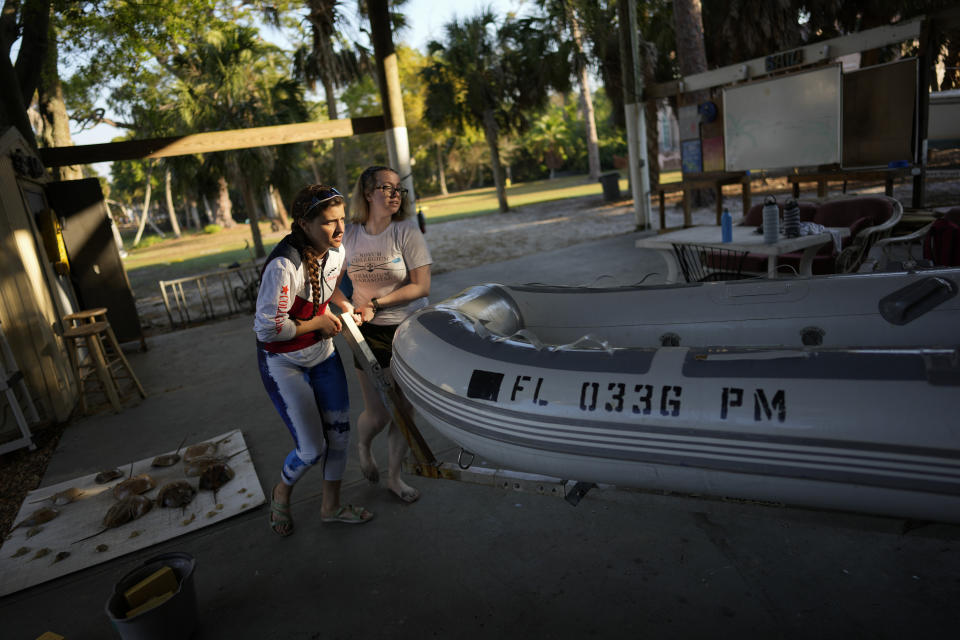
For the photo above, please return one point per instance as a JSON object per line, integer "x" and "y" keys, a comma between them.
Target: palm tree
{"x": 480, "y": 76}
{"x": 232, "y": 79}
{"x": 564, "y": 16}
{"x": 334, "y": 61}
{"x": 547, "y": 137}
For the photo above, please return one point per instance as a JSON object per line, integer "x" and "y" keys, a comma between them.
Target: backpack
{"x": 942, "y": 243}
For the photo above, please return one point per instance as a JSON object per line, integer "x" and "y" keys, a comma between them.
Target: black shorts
{"x": 380, "y": 340}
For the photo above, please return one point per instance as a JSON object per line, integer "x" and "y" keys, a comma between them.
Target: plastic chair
{"x": 922, "y": 248}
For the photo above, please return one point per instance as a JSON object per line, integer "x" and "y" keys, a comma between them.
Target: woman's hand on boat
{"x": 366, "y": 312}
{"x": 330, "y": 325}
{"x": 326, "y": 324}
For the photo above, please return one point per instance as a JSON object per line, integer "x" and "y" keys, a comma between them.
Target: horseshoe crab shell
{"x": 176, "y": 494}
{"x": 127, "y": 510}
{"x": 134, "y": 486}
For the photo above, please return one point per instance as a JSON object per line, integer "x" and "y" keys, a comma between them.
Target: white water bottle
{"x": 771, "y": 220}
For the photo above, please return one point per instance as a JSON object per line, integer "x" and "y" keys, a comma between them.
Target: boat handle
{"x": 914, "y": 300}
{"x": 460, "y": 459}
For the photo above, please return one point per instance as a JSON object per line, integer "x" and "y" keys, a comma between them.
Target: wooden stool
{"x": 104, "y": 355}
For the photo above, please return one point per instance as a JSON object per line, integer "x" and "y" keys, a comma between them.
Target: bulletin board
{"x": 790, "y": 121}
{"x": 879, "y": 113}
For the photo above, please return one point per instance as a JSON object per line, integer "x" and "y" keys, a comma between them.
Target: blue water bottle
{"x": 726, "y": 226}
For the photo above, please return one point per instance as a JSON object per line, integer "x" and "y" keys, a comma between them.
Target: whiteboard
{"x": 943, "y": 128}
{"x": 792, "y": 121}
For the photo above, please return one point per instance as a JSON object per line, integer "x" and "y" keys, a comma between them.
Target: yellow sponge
{"x": 157, "y": 583}
{"x": 50, "y": 635}
{"x": 150, "y": 604}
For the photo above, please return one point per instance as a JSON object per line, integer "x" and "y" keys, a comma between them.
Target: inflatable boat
{"x": 838, "y": 392}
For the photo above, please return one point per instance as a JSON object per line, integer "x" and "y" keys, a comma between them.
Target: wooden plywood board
{"x": 712, "y": 151}
{"x": 27, "y": 305}
{"x": 879, "y": 110}
{"x": 84, "y": 516}
{"x": 689, "y": 121}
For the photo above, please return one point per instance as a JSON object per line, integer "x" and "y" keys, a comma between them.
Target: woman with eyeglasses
{"x": 300, "y": 369}
{"x": 389, "y": 267}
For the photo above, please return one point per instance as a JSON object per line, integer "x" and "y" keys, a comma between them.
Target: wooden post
{"x": 388, "y": 79}
{"x": 634, "y": 112}
{"x": 924, "y": 68}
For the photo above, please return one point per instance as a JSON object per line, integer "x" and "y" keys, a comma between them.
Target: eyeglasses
{"x": 389, "y": 190}
{"x": 323, "y": 196}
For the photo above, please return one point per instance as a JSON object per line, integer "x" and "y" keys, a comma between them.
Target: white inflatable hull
{"x": 873, "y": 428}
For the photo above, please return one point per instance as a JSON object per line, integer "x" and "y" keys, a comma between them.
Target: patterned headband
{"x": 328, "y": 194}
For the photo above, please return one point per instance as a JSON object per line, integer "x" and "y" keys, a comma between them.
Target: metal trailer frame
{"x": 425, "y": 464}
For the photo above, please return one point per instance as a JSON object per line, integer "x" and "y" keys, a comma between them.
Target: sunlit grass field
{"x": 475, "y": 202}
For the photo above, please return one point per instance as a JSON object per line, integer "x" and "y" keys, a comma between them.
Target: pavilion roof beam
{"x": 210, "y": 141}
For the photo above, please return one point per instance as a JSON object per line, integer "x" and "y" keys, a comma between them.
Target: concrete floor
{"x": 470, "y": 561}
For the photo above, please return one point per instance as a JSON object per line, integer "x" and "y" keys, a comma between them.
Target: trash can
{"x": 611, "y": 186}
{"x": 174, "y": 618}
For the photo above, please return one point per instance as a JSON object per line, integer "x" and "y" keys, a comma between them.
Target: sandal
{"x": 280, "y": 516}
{"x": 350, "y": 514}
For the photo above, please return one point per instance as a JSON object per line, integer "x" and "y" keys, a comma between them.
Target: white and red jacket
{"x": 285, "y": 293}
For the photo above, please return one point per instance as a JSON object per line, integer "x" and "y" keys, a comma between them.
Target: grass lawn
{"x": 475, "y": 202}
{"x": 191, "y": 254}
{"x": 196, "y": 252}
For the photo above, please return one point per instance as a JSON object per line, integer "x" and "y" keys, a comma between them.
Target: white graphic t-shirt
{"x": 380, "y": 264}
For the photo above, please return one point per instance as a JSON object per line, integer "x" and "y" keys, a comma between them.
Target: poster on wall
{"x": 689, "y": 121}
{"x": 790, "y": 121}
{"x": 712, "y": 149}
{"x": 690, "y": 156}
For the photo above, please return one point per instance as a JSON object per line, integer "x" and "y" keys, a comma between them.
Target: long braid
{"x": 312, "y": 261}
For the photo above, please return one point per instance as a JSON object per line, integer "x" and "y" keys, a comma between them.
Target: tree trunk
{"x": 250, "y": 204}
{"x": 55, "y": 131}
{"x": 586, "y": 100}
{"x": 313, "y": 167}
{"x": 692, "y": 58}
{"x": 441, "y": 172}
{"x": 208, "y": 212}
{"x": 223, "y": 208}
{"x": 278, "y": 206}
{"x": 13, "y": 108}
{"x": 146, "y": 212}
{"x": 338, "y": 157}
{"x": 491, "y": 131}
{"x": 168, "y": 190}
{"x": 35, "y": 40}
{"x": 648, "y": 61}
{"x": 190, "y": 203}
{"x": 688, "y": 25}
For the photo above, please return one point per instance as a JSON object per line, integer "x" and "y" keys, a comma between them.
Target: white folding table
{"x": 746, "y": 240}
